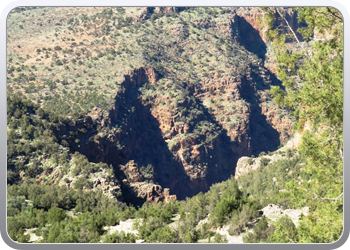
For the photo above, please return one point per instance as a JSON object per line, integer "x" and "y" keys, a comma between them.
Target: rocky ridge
{"x": 190, "y": 127}
{"x": 247, "y": 164}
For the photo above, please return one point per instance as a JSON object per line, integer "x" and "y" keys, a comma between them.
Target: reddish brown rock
{"x": 152, "y": 192}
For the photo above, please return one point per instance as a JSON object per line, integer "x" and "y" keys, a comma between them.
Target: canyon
{"x": 189, "y": 129}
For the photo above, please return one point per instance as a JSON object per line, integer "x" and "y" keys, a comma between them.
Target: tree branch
{"x": 322, "y": 198}
{"x": 290, "y": 239}
{"x": 338, "y": 142}
{"x": 295, "y": 36}
{"x": 334, "y": 14}
{"x": 327, "y": 140}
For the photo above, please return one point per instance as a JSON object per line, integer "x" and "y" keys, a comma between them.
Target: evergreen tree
{"x": 312, "y": 76}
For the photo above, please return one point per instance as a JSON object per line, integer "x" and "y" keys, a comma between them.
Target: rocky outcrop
{"x": 107, "y": 187}
{"x": 274, "y": 212}
{"x": 125, "y": 226}
{"x": 100, "y": 181}
{"x": 33, "y": 237}
{"x": 244, "y": 166}
{"x": 131, "y": 172}
{"x": 247, "y": 164}
{"x": 152, "y": 192}
{"x": 142, "y": 189}
{"x": 190, "y": 144}
{"x": 183, "y": 168}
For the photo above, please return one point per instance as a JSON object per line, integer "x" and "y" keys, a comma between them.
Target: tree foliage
{"x": 310, "y": 65}
{"x": 312, "y": 73}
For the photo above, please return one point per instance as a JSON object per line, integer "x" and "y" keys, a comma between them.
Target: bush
{"x": 262, "y": 231}
{"x": 262, "y": 153}
{"x": 251, "y": 160}
{"x": 285, "y": 232}
{"x": 56, "y": 214}
{"x": 223, "y": 209}
{"x": 264, "y": 161}
{"x": 59, "y": 62}
{"x": 121, "y": 237}
{"x": 82, "y": 182}
{"x": 218, "y": 238}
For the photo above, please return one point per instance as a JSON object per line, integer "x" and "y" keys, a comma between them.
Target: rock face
{"x": 246, "y": 164}
{"x": 274, "y": 212}
{"x": 191, "y": 133}
{"x": 131, "y": 172}
{"x": 141, "y": 189}
{"x": 152, "y": 192}
{"x": 134, "y": 134}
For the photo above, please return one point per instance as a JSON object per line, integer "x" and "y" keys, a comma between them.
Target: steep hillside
{"x": 184, "y": 91}
{"x": 174, "y": 124}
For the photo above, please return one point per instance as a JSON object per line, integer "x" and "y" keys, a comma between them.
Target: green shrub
{"x": 264, "y": 161}
{"x": 251, "y": 160}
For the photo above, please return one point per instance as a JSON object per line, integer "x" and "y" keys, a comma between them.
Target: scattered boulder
{"x": 246, "y": 164}
{"x": 33, "y": 237}
{"x": 274, "y": 212}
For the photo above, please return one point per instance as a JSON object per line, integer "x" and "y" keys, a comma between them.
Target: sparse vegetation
{"x": 179, "y": 94}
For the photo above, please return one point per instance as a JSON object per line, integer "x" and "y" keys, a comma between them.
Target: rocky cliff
{"x": 187, "y": 97}
{"x": 137, "y": 132}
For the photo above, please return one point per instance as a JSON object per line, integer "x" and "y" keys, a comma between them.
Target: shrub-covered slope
{"x": 111, "y": 108}
{"x": 180, "y": 83}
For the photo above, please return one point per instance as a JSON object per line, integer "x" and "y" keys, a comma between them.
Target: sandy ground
{"x": 33, "y": 236}
{"x": 230, "y": 239}
{"x": 271, "y": 211}
{"x": 125, "y": 226}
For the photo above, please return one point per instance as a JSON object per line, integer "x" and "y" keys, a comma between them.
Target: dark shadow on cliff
{"x": 140, "y": 139}
{"x": 143, "y": 142}
{"x": 263, "y": 136}
{"x": 251, "y": 39}
{"x": 100, "y": 150}
{"x": 269, "y": 77}
{"x": 216, "y": 152}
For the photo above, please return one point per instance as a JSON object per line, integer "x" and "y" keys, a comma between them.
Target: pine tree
{"x": 311, "y": 72}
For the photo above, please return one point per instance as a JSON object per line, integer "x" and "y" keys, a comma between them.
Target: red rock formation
{"x": 152, "y": 192}
{"x": 148, "y": 191}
